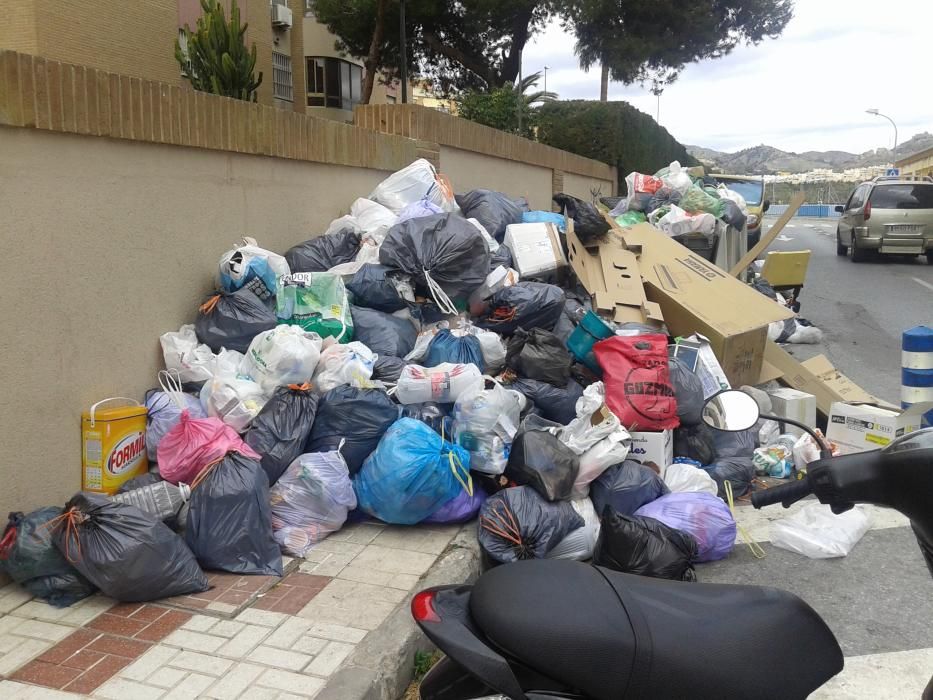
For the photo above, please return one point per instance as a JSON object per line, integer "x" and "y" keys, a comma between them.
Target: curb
{"x": 382, "y": 667}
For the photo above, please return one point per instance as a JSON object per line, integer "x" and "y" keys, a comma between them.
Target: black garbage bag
{"x": 553, "y": 403}
{"x": 573, "y": 309}
{"x": 539, "y": 354}
{"x": 732, "y": 214}
{"x": 280, "y": 431}
{"x": 130, "y": 555}
{"x": 230, "y": 519}
{"x": 644, "y": 546}
{"x": 733, "y": 462}
{"x": 541, "y": 461}
{"x": 626, "y": 487}
{"x": 324, "y": 252}
{"x": 689, "y": 391}
{"x": 517, "y": 523}
{"x": 435, "y": 415}
{"x": 524, "y": 305}
{"x": 28, "y": 556}
{"x": 446, "y": 248}
{"x": 493, "y": 210}
{"x": 388, "y": 369}
{"x": 372, "y": 287}
{"x": 356, "y": 417}
{"x": 232, "y": 319}
{"x": 695, "y": 442}
{"x": 383, "y": 333}
{"x": 502, "y": 257}
{"x": 762, "y": 285}
{"x": 588, "y": 223}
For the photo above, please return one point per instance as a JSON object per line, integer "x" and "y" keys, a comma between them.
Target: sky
{"x": 806, "y": 90}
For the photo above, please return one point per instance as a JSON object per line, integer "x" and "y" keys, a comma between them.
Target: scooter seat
{"x": 611, "y": 636}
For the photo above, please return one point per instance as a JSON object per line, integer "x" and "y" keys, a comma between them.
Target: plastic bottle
{"x": 162, "y": 499}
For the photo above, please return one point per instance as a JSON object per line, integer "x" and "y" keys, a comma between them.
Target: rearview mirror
{"x": 732, "y": 411}
{"x": 765, "y": 206}
{"x": 839, "y": 208}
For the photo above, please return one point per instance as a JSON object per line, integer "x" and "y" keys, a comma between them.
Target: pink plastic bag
{"x": 193, "y": 444}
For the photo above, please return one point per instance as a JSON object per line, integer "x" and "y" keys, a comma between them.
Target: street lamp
{"x": 879, "y": 114}
{"x": 545, "y": 78}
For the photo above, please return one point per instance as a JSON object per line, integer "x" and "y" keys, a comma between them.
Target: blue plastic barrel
{"x": 590, "y": 331}
{"x": 917, "y": 368}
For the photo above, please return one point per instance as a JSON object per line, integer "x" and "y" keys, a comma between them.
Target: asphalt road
{"x": 862, "y": 309}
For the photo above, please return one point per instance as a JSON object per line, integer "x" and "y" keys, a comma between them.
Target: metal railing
{"x": 822, "y": 211}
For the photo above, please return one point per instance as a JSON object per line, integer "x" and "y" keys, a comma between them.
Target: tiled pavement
{"x": 241, "y": 639}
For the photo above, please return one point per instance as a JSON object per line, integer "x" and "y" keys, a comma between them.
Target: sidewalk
{"x": 335, "y": 626}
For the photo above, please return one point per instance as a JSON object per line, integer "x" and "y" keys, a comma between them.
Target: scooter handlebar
{"x": 786, "y": 494}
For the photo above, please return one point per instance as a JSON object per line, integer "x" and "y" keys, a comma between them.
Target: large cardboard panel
{"x": 695, "y": 296}
{"x": 786, "y": 268}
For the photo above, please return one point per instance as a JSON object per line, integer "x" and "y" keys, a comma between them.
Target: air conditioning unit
{"x": 281, "y": 16}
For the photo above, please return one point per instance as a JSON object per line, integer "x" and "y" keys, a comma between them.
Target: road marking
{"x": 922, "y": 283}
{"x": 782, "y": 237}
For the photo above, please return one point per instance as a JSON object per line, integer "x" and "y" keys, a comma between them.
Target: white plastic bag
{"x": 726, "y": 193}
{"x": 231, "y": 396}
{"x": 579, "y": 544}
{"x": 490, "y": 241}
{"x": 343, "y": 223}
{"x": 248, "y": 265}
{"x": 816, "y": 532}
{"x": 494, "y": 349}
{"x": 282, "y": 356}
{"x": 806, "y": 450}
{"x": 344, "y": 364}
{"x": 612, "y": 449}
{"x": 372, "y": 217}
{"x": 677, "y": 178}
{"x": 594, "y": 420}
{"x": 182, "y": 352}
{"x": 677, "y": 222}
{"x": 408, "y": 185}
{"x": 486, "y": 417}
{"x": 442, "y": 384}
{"x": 685, "y": 478}
{"x": 310, "y": 501}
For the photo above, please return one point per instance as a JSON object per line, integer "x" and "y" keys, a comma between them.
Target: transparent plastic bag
{"x": 310, "y": 501}
{"x": 486, "y": 418}
{"x": 233, "y": 397}
{"x": 372, "y": 217}
{"x": 344, "y": 364}
{"x": 285, "y": 355}
{"x": 442, "y": 384}
{"x": 685, "y": 478}
{"x": 612, "y": 449}
{"x": 316, "y": 302}
{"x": 675, "y": 177}
{"x": 816, "y": 532}
{"x": 248, "y": 265}
{"x": 579, "y": 544}
{"x": 413, "y": 183}
{"x": 181, "y": 351}
{"x": 594, "y": 420}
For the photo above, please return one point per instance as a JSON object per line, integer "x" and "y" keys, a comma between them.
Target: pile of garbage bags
{"x": 398, "y": 367}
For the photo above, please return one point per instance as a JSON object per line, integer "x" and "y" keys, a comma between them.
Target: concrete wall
{"x": 468, "y": 171}
{"x": 110, "y": 244}
{"x": 583, "y": 187}
{"x": 18, "y": 27}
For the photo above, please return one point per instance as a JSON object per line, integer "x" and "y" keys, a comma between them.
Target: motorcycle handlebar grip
{"x": 786, "y": 493}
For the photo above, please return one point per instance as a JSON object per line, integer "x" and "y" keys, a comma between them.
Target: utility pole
{"x": 879, "y": 114}
{"x": 403, "y": 50}
{"x": 545, "y": 78}
{"x": 520, "y": 102}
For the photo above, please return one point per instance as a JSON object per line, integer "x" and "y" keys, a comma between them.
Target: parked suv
{"x": 890, "y": 215}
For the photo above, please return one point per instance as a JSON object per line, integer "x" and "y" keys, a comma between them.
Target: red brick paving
{"x": 292, "y": 594}
{"x": 88, "y": 657}
{"x": 229, "y": 589}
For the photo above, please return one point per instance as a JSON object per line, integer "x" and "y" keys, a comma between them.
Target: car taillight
{"x": 866, "y": 212}
{"x": 422, "y": 607}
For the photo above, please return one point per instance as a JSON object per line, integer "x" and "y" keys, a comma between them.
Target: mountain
{"x": 763, "y": 160}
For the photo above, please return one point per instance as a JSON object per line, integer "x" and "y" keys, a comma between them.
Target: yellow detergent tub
{"x": 113, "y": 445}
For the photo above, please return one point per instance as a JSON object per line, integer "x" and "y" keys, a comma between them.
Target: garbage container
{"x": 700, "y": 243}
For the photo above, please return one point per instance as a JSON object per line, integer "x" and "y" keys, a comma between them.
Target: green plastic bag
{"x": 317, "y": 302}
{"x": 630, "y": 218}
{"x": 695, "y": 199}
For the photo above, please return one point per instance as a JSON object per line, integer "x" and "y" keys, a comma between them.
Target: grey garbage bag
{"x": 539, "y": 354}
{"x": 493, "y": 210}
{"x": 553, "y": 403}
{"x": 232, "y": 319}
{"x": 502, "y": 257}
{"x": 445, "y": 249}
{"x": 388, "y": 369}
{"x": 280, "y": 431}
{"x": 383, "y": 333}
{"x": 517, "y": 523}
{"x": 324, "y": 252}
{"x": 524, "y": 305}
{"x": 28, "y": 556}
{"x": 689, "y": 391}
{"x": 733, "y": 462}
{"x": 573, "y": 310}
{"x": 540, "y": 460}
{"x": 626, "y": 487}
{"x": 372, "y": 287}
{"x": 695, "y": 442}
{"x": 230, "y": 519}
{"x": 644, "y": 546}
{"x": 130, "y": 555}
{"x": 588, "y": 223}
{"x": 358, "y": 418}
{"x": 732, "y": 214}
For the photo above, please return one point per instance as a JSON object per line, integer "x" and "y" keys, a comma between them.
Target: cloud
{"x": 806, "y": 90}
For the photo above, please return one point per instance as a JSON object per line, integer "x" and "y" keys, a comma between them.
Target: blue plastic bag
{"x": 702, "y": 515}
{"x": 411, "y": 474}
{"x": 447, "y": 347}
{"x": 544, "y": 217}
{"x": 416, "y": 210}
{"x": 463, "y": 507}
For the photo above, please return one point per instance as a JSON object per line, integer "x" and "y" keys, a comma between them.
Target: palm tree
{"x": 529, "y": 82}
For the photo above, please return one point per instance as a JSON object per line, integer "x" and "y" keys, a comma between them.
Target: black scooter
{"x": 545, "y": 629}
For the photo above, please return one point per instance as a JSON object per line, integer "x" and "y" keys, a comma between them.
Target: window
{"x": 902, "y": 197}
{"x": 855, "y": 201}
{"x": 750, "y": 190}
{"x": 333, "y": 82}
{"x": 282, "y": 76}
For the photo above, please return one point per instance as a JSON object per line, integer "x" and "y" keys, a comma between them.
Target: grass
{"x": 424, "y": 660}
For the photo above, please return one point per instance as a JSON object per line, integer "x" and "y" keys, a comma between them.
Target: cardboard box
{"x": 657, "y": 448}
{"x": 796, "y": 405}
{"x": 786, "y": 269}
{"x": 861, "y": 427}
{"x": 695, "y": 296}
{"x": 536, "y": 248}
